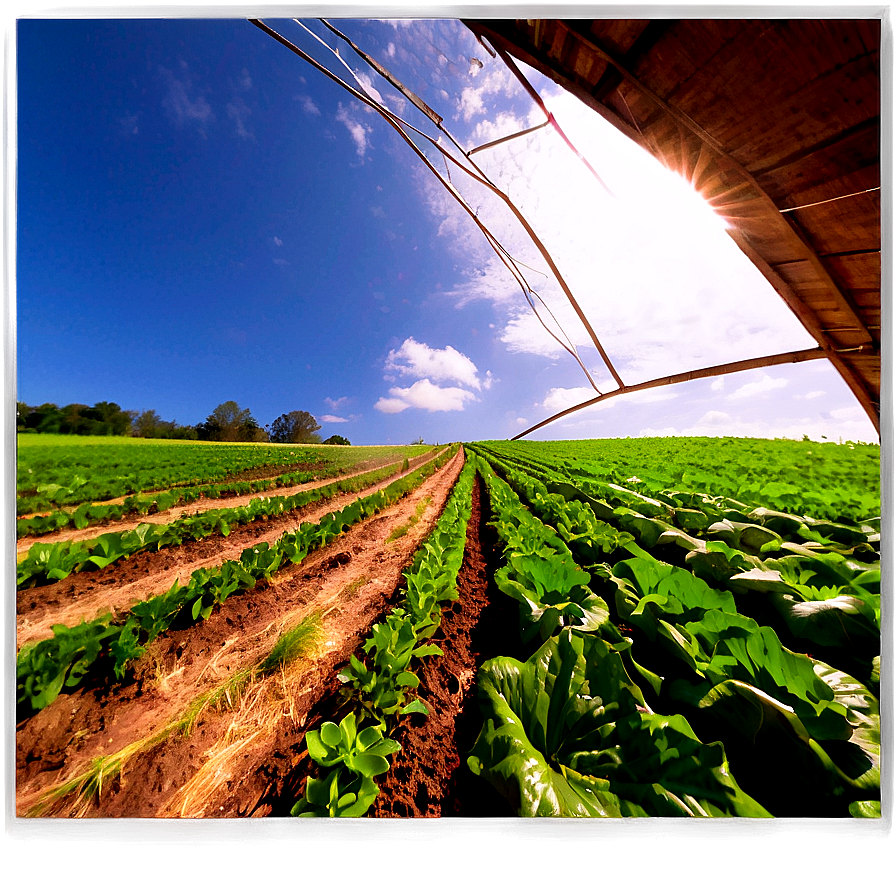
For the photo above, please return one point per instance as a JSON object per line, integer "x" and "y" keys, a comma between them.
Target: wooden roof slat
{"x": 860, "y": 271}
{"x": 761, "y": 116}
{"x": 816, "y": 111}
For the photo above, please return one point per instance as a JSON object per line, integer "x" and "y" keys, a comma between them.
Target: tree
{"x": 72, "y": 420}
{"x": 147, "y": 424}
{"x": 296, "y": 426}
{"x": 106, "y": 419}
{"x": 337, "y": 440}
{"x": 228, "y": 422}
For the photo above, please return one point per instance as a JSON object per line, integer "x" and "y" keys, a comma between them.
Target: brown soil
{"x": 429, "y": 777}
{"x": 24, "y": 544}
{"x": 85, "y": 595}
{"x": 353, "y": 581}
{"x": 251, "y": 474}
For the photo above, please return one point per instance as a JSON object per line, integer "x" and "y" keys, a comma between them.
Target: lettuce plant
{"x": 355, "y": 757}
{"x": 568, "y": 734}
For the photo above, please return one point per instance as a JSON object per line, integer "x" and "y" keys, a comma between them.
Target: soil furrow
{"x": 168, "y": 516}
{"x": 85, "y": 595}
{"x": 63, "y": 738}
{"x": 429, "y": 777}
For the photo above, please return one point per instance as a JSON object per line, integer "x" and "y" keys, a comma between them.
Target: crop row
{"x": 572, "y": 732}
{"x": 821, "y": 578}
{"x": 140, "y": 505}
{"x": 54, "y": 471}
{"x": 57, "y": 560}
{"x": 44, "y": 668}
{"x": 378, "y": 688}
{"x": 806, "y": 478}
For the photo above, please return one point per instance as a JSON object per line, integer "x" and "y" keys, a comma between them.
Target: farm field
{"x": 56, "y": 471}
{"x": 615, "y": 628}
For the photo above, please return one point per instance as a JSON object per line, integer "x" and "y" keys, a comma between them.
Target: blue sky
{"x": 204, "y": 217}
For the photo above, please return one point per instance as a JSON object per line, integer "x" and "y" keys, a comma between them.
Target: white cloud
{"x": 718, "y": 384}
{"x": 817, "y": 393}
{"x": 369, "y": 89}
{"x": 183, "y": 103}
{"x": 852, "y": 413}
{"x": 426, "y": 396}
{"x": 391, "y": 405}
{"x": 359, "y": 132}
{"x": 758, "y": 387}
{"x": 329, "y": 418}
{"x": 663, "y": 285}
{"x": 470, "y": 103}
{"x": 417, "y": 359}
{"x": 238, "y": 111}
{"x": 502, "y": 125}
{"x": 308, "y": 104}
{"x": 845, "y": 424}
{"x": 278, "y": 241}
{"x": 561, "y": 399}
{"x": 497, "y": 80}
{"x": 336, "y": 403}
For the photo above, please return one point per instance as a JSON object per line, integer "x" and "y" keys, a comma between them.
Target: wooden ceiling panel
{"x": 688, "y": 50}
{"x": 858, "y": 272}
{"x": 617, "y": 35}
{"x": 830, "y": 169}
{"x": 813, "y": 113}
{"x": 851, "y": 224}
{"x": 771, "y": 120}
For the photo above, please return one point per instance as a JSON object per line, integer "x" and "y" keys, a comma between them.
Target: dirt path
{"x": 352, "y": 581}
{"x": 24, "y": 544}
{"x": 84, "y": 595}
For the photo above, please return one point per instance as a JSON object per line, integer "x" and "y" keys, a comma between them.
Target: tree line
{"x": 228, "y": 422}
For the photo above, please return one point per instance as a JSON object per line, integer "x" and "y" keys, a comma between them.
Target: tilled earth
{"x": 85, "y": 595}
{"x": 202, "y": 504}
{"x": 248, "y": 759}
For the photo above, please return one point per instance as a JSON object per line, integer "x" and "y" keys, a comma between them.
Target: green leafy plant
{"x": 355, "y": 757}
{"x": 380, "y": 692}
{"x": 45, "y": 668}
{"x": 568, "y": 734}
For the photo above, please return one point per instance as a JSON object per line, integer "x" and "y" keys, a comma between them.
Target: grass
{"x": 291, "y": 645}
{"x": 86, "y": 788}
{"x": 401, "y": 531}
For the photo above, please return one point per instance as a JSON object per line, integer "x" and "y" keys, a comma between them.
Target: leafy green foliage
{"x": 296, "y": 426}
{"x": 74, "y": 470}
{"x": 60, "y": 559}
{"x": 569, "y": 734}
{"x": 43, "y": 669}
{"x": 381, "y": 687}
{"x": 381, "y": 691}
{"x": 39, "y": 679}
{"x": 355, "y": 756}
{"x": 732, "y": 549}
{"x": 540, "y": 572}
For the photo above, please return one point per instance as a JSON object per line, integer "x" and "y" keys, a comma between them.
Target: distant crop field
{"x": 58, "y": 470}
{"x": 607, "y": 628}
